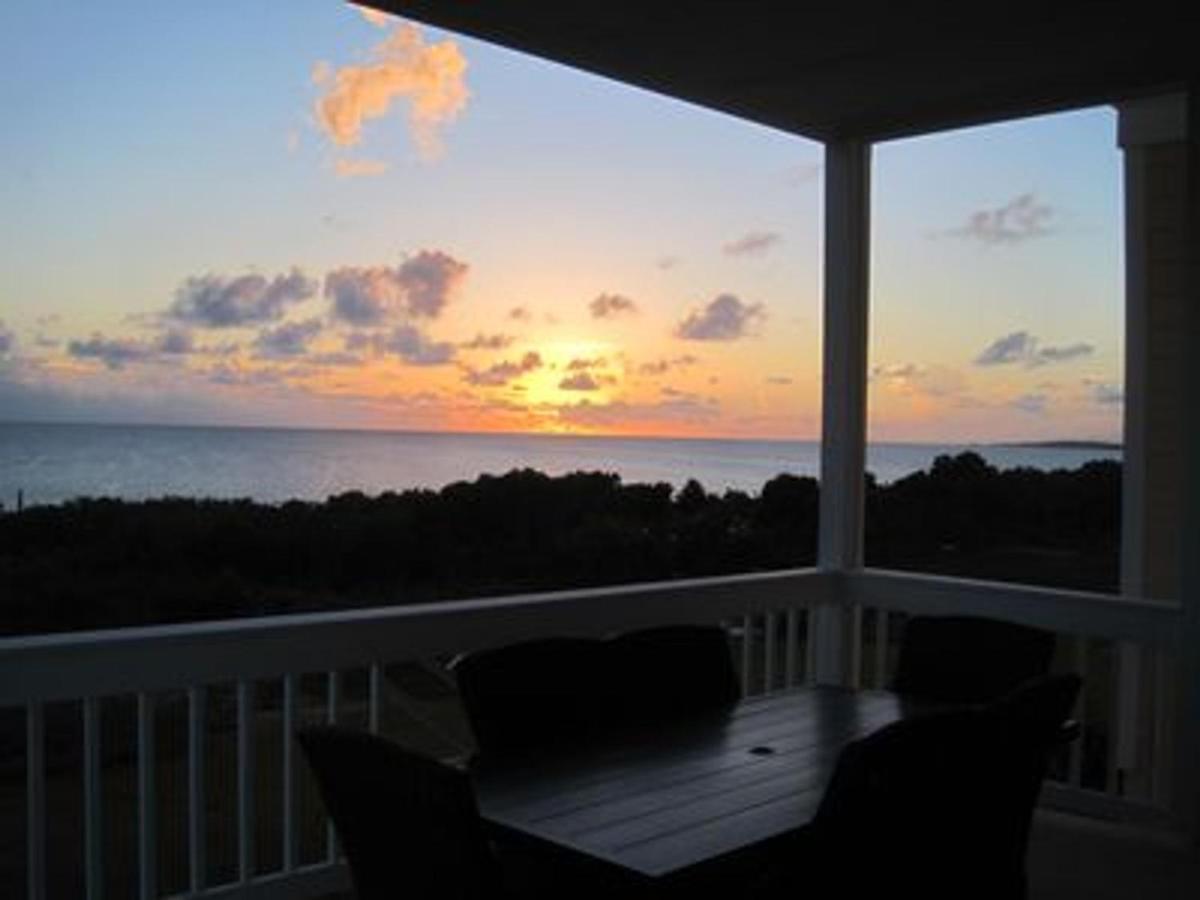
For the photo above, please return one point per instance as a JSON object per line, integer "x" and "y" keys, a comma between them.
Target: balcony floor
{"x": 1072, "y": 858}
{"x": 1079, "y": 859}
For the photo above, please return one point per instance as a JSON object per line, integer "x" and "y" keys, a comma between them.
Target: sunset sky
{"x": 300, "y": 214}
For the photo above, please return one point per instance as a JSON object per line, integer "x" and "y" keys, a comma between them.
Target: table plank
{"x": 660, "y": 804}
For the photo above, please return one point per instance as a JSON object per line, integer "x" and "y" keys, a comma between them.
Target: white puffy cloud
{"x": 430, "y": 78}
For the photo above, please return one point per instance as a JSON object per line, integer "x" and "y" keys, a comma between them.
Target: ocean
{"x": 50, "y": 463}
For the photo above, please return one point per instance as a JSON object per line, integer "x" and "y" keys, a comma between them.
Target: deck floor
{"x": 1072, "y": 858}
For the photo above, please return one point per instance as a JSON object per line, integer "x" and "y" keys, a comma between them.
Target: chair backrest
{"x": 966, "y": 659}
{"x": 533, "y": 694}
{"x": 673, "y": 670}
{"x": 564, "y": 691}
{"x": 941, "y": 804}
{"x": 409, "y": 825}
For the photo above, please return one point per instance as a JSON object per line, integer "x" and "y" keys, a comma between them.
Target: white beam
{"x": 844, "y": 389}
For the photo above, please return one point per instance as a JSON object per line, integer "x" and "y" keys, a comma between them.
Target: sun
{"x": 573, "y": 370}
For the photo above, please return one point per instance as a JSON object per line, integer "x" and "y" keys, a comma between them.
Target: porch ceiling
{"x": 850, "y": 68}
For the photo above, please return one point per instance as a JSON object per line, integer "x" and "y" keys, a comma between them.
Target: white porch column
{"x": 1153, "y": 135}
{"x": 844, "y": 393}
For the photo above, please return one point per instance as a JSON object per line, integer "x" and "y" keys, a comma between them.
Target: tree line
{"x": 100, "y": 563}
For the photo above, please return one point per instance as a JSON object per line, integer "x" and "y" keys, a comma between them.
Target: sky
{"x": 307, "y": 215}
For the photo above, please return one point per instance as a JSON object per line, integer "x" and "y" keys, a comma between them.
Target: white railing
{"x": 768, "y": 612}
{"x": 93, "y": 668}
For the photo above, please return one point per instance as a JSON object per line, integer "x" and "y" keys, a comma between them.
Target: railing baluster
{"x": 373, "y": 686}
{"x": 856, "y": 639}
{"x": 769, "y": 653}
{"x": 147, "y": 800}
{"x": 290, "y": 831}
{"x": 35, "y": 799}
{"x": 791, "y": 648}
{"x": 1075, "y": 759}
{"x": 333, "y": 695}
{"x": 747, "y": 653}
{"x": 881, "y": 649}
{"x": 245, "y": 779}
{"x": 93, "y": 821}
{"x": 197, "y": 842}
{"x": 810, "y": 646}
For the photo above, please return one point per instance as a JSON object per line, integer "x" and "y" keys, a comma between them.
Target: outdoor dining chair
{"x": 409, "y": 825}
{"x": 935, "y": 806}
{"x": 673, "y": 671}
{"x": 969, "y": 659}
{"x": 533, "y": 694}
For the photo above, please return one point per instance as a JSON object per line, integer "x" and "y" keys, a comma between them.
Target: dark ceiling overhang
{"x": 855, "y": 68}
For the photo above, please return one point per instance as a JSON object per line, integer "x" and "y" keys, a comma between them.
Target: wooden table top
{"x": 695, "y": 792}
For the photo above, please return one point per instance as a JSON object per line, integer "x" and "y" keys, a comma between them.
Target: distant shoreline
{"x": 1062, "y": 445}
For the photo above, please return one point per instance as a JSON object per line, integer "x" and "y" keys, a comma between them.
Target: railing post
{"x": 1152, "y": 133}
{"x": 844, "y": 392}
{"x": 1186, "y": 782}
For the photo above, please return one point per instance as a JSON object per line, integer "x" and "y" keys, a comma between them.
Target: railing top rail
{"x": 167, "y": 657}
{"x": 1083, "y": 613}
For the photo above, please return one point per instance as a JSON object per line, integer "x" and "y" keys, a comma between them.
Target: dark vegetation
{"x": 95, "y": 563}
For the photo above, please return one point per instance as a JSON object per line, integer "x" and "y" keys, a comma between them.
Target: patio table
{"x": 691, "y": 800}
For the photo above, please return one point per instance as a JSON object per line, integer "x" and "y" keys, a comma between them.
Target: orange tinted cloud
{"x": 358, "y": 168}
{"x": 431, "y": 77}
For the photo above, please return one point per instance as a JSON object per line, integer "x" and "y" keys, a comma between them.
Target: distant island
{"x": 1063, "y": 445}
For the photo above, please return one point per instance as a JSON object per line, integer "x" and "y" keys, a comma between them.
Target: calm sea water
{"x": 52, "y": 463}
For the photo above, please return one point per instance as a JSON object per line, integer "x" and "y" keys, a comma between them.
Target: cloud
{"x": 416, "y": 349}
{"x": 289, "y": 339}
{"x": 662, "y": 366}
{"x": 1018, "y": 220}
{"x": 1022, "y": 347}
{"x": 580, "y": 381}
{"x": 520, "y": 314}
{"x": 376, "y": 17}
{"x": 176, "y": 342}
{"x": 114, "y": 353}
{"x": 213, "y": 301}
{"x": 1030, "y": 403}
{"x": 804, "y": 173}
{"x": 431, "y": 78}
{"x": 600, "y": 415}
{"x": 753, "y": 244}
{"x": 912, "y": 379}
{"x": 8, "y": 340}
{"x": 1011, "y": 348}
{"x": 420, "y": 287}
{"x": 726, "y": 318}
{"x": 359, "y": 168}
{"x": 609, "y": 306}
{"x": 488, "y": 342}
{"x": 503, "y": 372}
{"x": 1061, "y": 354}
{"x": 667, "y": 262}
{"x": 1107, "y": 394}
{"x": 579, "y": 365}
